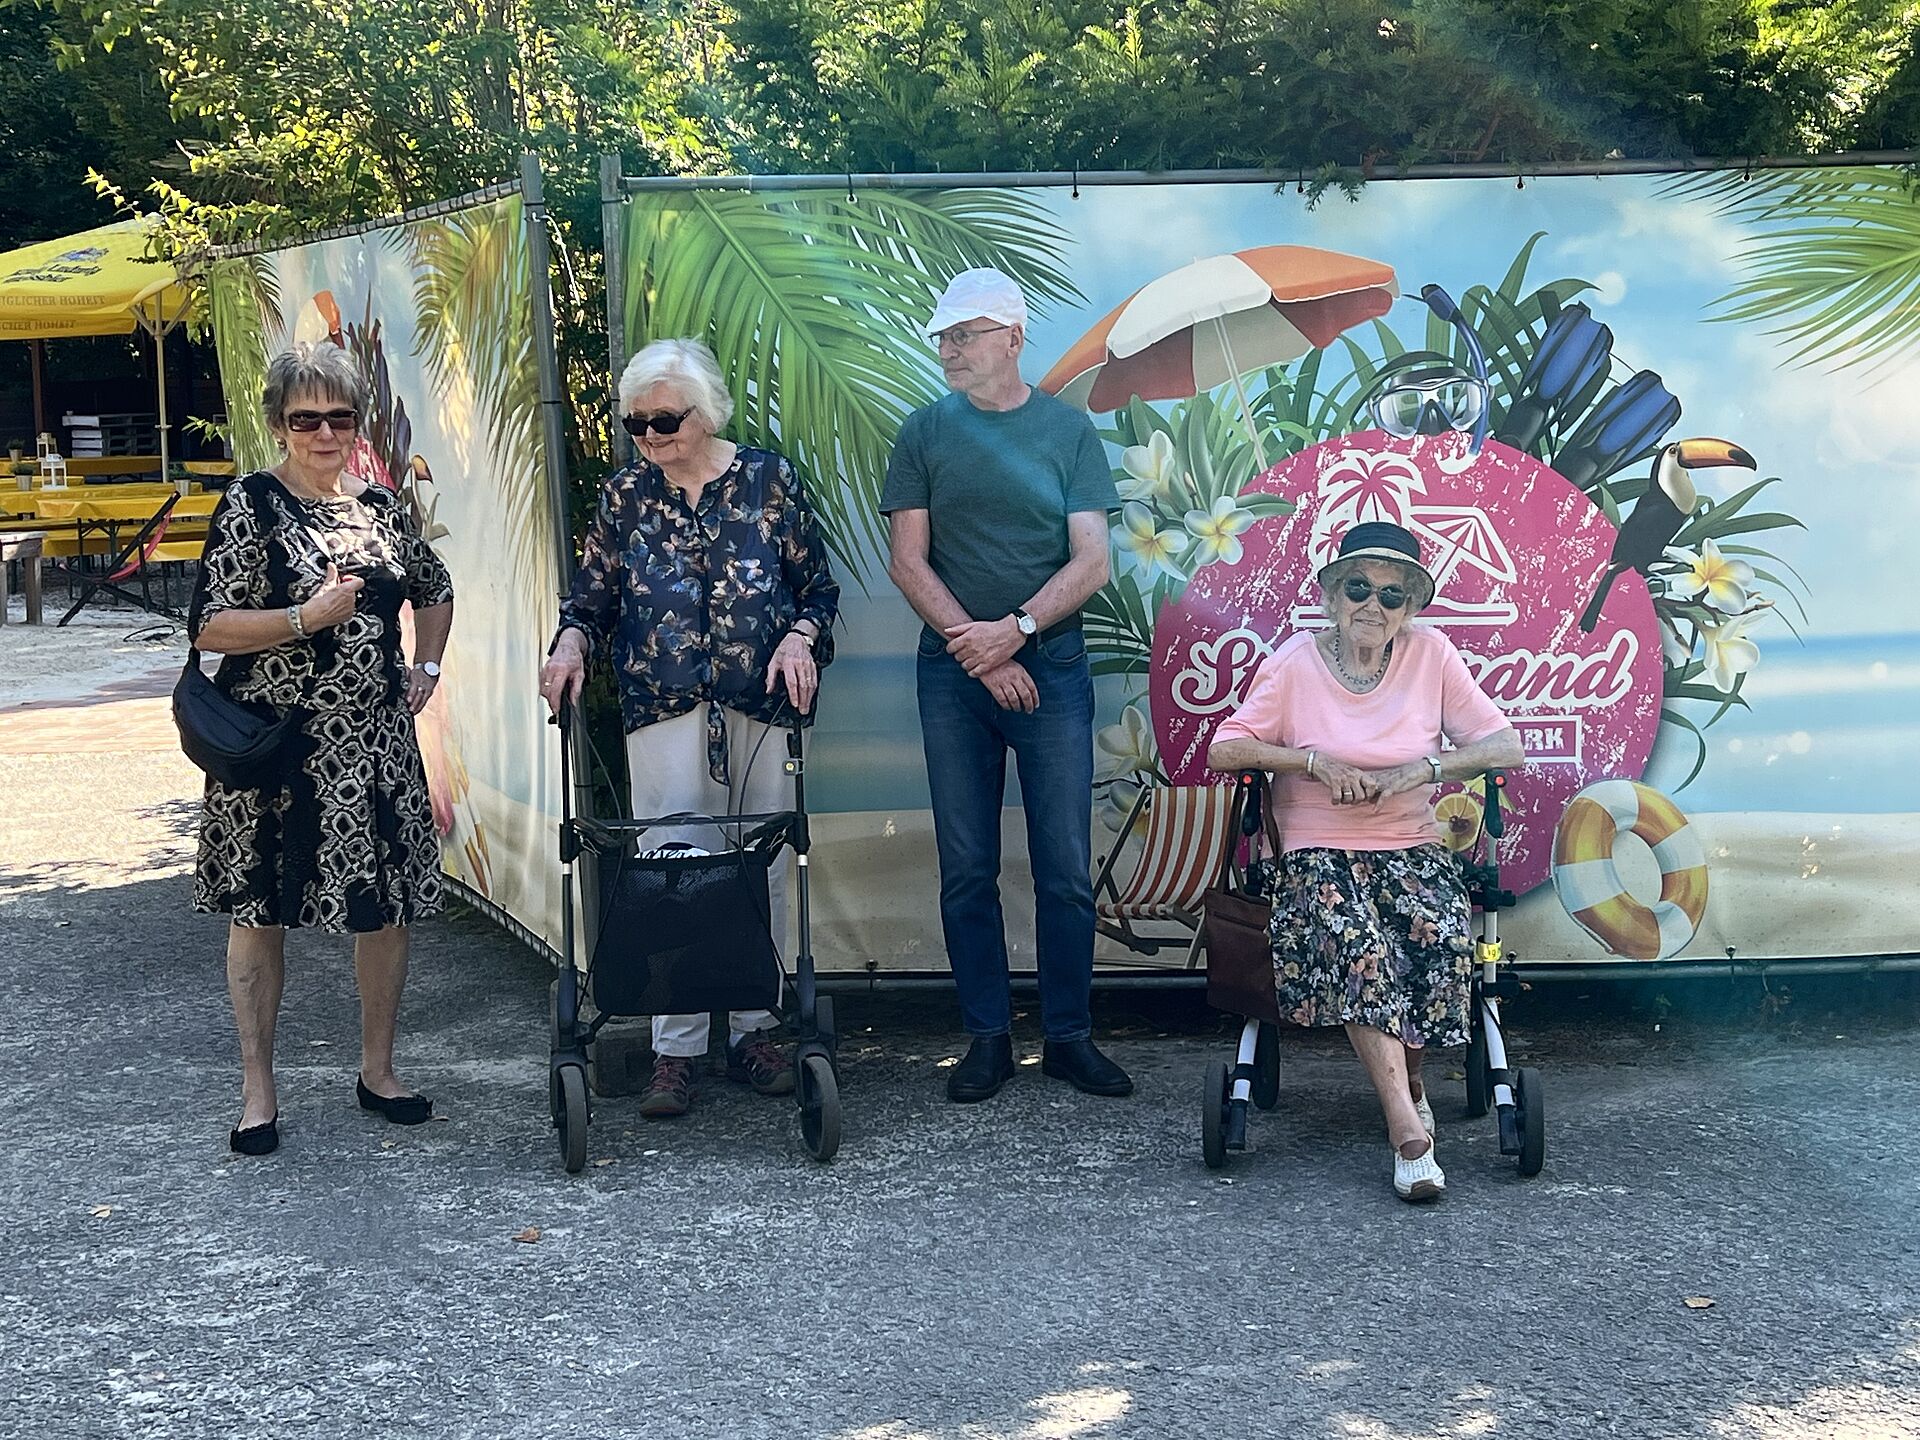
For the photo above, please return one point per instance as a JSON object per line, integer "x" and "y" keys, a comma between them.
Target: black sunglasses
{"x": 309, "y": 420}
{"x": 1360, "y": 591}
{"x": 668, "y": 424}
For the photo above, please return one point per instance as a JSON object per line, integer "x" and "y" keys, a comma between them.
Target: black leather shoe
{"x": 400, "y": 1109}
{"x": 255, "y": 1139}
{"x": 988, "y": 1065}
{"x": 1079, "y": 1062}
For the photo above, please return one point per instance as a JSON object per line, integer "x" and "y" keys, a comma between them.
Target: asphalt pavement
{"x": 1722, "y": 1242}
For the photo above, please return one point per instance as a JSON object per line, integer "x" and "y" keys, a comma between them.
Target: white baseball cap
{"x": 979, "y": 295}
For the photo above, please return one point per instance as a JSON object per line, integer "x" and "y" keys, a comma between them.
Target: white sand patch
{"x": 95, "y": 651}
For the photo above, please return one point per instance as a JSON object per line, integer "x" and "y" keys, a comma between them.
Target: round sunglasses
{"x": 1359, "y": 591}
{"x": 307, "y": 421}
{"x": 667, "y": 424}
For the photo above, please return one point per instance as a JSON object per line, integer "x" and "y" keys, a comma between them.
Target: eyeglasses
{"x": 307, "y": 421}
{"x": 961, "y": 339}
{"x": 1359, "y": 591}
{"x": 666, "y": 424}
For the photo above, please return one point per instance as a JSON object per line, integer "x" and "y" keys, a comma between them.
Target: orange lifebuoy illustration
{"x": 1589, "y": 884}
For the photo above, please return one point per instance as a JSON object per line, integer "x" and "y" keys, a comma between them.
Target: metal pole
{"x": 37, "y": 351}
{"x": 158, "y": 327}
{"x": 554, "y": 426}
{"x": 613, "y": 250}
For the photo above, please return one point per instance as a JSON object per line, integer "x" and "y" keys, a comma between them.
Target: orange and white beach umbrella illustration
{"x": 1211, "y": 322}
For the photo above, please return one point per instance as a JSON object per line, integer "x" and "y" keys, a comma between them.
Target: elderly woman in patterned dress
{"x": 305, "y": 570}
{"x": 705, "y": 572}
{"x": 1367, "y": 905}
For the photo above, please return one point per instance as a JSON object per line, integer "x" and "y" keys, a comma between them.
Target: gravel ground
{"x": 1046, "y": 1265}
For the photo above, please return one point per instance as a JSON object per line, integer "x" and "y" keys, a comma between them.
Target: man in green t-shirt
{"x": 997, "y": 498}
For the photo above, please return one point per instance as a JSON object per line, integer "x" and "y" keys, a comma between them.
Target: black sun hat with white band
{"x": 1383, "y": 540}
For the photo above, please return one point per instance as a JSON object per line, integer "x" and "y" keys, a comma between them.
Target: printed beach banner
{"x": 438, "y": 315}
{"x": 1660, "y": 463}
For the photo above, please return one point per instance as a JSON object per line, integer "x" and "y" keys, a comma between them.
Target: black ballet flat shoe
{"x": 399, "y": 1109}
{"x": 256, "y": 1139}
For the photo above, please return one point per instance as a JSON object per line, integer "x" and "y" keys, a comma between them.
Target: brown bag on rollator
{"x": 1239, "y": 954}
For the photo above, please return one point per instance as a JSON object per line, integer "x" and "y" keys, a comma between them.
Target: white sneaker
{"x": 1418, "y": 1180}
{"x": 1424, "y": 1111}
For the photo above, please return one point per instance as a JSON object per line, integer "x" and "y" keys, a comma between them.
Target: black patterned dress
{"x": 347, "y": 843}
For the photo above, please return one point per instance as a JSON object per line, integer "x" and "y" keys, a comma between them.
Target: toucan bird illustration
{"x": 1570, "y": 358}
{"x": 1659, "y": 513}
{"x": 1630, "y": 421}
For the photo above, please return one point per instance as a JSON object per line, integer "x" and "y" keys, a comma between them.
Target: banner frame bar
{"x": 1065, "y": 179}
{"x": 485, "y": 196}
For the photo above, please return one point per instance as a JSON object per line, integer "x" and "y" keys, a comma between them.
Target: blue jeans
{"x": 967, "y": 737}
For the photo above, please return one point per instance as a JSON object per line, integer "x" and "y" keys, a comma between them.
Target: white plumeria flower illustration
{"x": 1674, "y": 646}
{"x": 1729, "y": 654}
{"x": 1216, "y": 532}
{"x": 1723, "y": 581}
{"x": 1153, "y": 550}
{"x": 1124, "y": 749}
{"x": 1149, "y": 467}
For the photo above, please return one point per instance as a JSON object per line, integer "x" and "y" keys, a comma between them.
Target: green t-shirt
{"x": 997, "y": 486}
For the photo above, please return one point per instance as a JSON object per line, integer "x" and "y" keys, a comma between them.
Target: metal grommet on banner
{"x": 1076, "y": 182}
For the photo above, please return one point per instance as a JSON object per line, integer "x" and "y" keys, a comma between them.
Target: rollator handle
{"x": 1495, "y": 822}
{"x": 1250, "y": 782}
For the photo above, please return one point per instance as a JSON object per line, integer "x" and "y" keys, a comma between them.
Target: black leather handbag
{"x": 242, "y": 744}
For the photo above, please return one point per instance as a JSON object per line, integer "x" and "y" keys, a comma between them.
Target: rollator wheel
{"x": 1266, "y": 1067}
{"x": 1213, "y": 1115}
{"x": 570, "y": 1084}
{"x": 819, "y": 1107}
{"x": 1530, "y": 1100}
{"x": 1479, "y": 1076}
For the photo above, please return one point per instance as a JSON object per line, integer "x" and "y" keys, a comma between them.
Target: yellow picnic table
{"x": 103, "y": 511}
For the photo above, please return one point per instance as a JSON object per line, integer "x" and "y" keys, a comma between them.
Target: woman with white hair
{"x": 705, "y": 572}
{"x": 1353, "y": 722}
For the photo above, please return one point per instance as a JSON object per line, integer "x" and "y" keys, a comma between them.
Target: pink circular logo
{"x": 1515, "y": 551}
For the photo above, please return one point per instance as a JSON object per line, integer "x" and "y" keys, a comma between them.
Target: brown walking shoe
{"x": 758, "y": 1062}
{"x": 670, "y": 1091}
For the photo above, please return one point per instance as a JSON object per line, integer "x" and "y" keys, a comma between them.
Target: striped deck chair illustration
{"x": 1191, "y": 830}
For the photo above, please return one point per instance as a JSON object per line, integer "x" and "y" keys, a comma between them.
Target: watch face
{"x": 1026, "y": 623}
{"x": 431, "y": 669}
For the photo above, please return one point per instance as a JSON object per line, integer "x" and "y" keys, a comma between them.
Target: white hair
{"x": 687, "y": 365}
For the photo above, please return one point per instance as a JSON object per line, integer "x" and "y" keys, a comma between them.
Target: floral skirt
{"x": 1365, "y": 937}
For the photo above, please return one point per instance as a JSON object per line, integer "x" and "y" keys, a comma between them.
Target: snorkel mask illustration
{"x": 1430, "y": 395}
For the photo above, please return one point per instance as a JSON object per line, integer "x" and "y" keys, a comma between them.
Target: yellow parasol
{"x": 98, "y": 282}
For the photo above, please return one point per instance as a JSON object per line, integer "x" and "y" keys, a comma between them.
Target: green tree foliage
{"x": 243, "y": 118}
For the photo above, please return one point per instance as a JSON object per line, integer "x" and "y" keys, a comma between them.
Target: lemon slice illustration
{"x": 1458, "y": 817}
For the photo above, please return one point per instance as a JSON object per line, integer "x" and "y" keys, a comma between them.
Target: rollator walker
{"x": 683, "y": 932}
{"x": 1517, "y": 1095}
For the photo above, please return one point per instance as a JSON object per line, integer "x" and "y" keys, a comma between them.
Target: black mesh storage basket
{"x": 685, "y": 934}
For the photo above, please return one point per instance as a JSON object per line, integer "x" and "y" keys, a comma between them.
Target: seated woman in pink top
{"x": 1366, "y": 902}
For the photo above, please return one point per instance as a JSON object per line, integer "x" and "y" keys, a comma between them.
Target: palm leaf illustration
{"x": 474, "y": 304}
{"x": 244, "y": 296}
{"x": 813, "y": 304}
{"x": 1834, "y": 266}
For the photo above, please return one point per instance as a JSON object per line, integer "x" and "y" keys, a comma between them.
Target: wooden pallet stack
{"x": 97, "y": 435}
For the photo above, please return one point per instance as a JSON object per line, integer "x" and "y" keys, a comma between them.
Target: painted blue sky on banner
{"x": 1833, "y": 723}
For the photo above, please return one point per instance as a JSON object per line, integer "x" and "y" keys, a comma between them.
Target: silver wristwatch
{"x": 1028, "y": 625}
{"x": 429, "y": 668}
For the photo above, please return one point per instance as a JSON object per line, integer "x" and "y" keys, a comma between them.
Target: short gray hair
{"x": 687, "y": 365}
{"x": 1419, "y": 590}
{"x": 323, "y": 369}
